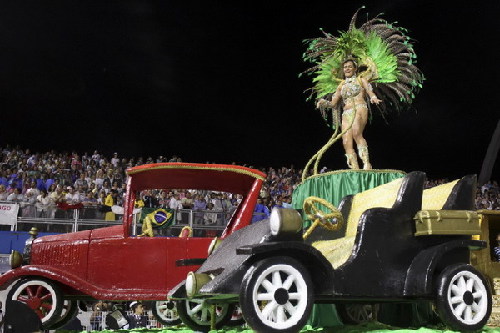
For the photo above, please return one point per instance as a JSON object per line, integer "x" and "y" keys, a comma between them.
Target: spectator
{"x": 89, "y": 199}
{"x": 175, "y": 203}
{"x": 150, "y": 200}
{"x": 137, "y": 318}
{"x": 106, "y": 186}
{"x": 287, "y": 201}
{"x": 15, "y": 196}
{"x": 187, "y": 201}
{"x": 82, "y": 181}
{"x": 3, "y": 193}
{"x": 278, "y": 204}
{"x": 115, "y": 160}
{"x": 71, "y": 197}
{"x": 209, "y": 217}
{"x": 110, "y": 202}
{"x": 43, "y": 204}
{"x": 28, "y": 204}
{"x": 199, "y": 205}
{"x": 260, "y": 212}
{"x": 99, "y": 179}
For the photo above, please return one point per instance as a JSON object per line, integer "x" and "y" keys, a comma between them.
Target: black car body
{"x": 276, "y": 275}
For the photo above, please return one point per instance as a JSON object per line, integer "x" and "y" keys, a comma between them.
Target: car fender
{"x": 41, "y": 271}
{"x": 70, "y": 282}
{"x": 419, "y": 278}
{"x": 320, "y": 269}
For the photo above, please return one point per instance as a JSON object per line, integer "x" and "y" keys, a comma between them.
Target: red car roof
{"x": 217, "y": 177}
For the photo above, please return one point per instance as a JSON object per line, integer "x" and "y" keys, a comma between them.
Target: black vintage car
{"x": 398, "y": 243}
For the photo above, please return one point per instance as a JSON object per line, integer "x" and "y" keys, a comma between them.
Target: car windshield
{"x": 167, "y": 212}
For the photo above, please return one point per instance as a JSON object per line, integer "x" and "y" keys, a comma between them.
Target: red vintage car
{"x": 112, "y": 263}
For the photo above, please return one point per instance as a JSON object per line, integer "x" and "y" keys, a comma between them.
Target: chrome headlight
{"x": 285, "y": 221}
{"x": 275, "y": 221}
{"x": 194, "y": 282}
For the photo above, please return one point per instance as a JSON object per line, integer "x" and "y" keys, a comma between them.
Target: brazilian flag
{"x": 160, "y": 218}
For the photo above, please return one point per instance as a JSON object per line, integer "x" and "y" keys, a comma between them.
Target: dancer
{"x": 352, "y": 92}
{"x": 372, "y": 64}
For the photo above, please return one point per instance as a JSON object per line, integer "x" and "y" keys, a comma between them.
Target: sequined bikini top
{"x": 351, "y": 88}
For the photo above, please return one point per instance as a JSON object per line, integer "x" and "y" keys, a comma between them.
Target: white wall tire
{"x": 276, "y": 295}
{"x": 463, "y": 298}
{"x": 42, "y": 296}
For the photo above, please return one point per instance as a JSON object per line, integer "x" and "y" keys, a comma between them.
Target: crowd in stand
{"x": 51, "y": 178}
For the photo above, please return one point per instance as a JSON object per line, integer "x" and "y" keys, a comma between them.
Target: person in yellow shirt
{"x": 110, "y": 201}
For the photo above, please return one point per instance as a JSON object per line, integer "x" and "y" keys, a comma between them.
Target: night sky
{"x": 218, "y": 81}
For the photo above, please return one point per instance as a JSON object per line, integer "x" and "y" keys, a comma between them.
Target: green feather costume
{"x": 385, "y": 57}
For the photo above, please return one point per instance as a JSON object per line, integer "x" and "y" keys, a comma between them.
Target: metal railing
{"x": 209, "y": 223}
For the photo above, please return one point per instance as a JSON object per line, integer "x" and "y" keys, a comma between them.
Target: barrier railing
{"x": 207, "y": 223}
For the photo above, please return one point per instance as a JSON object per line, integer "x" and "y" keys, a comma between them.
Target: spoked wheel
{"x": 166, "y": 312}
{"x": 196, "y": 314}
{"x": 357, "y": 313}
{"x": 42, "y": 296}
{"x": 69, "y": 311}
{"x": 463, "y": 298}
{"x": 276, "y": 295}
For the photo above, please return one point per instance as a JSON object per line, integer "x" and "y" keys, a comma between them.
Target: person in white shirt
{"x": 115, "y": 160}
{"x": 15, "y": 196}
{"x": 72, "y": 197}
{"x": 43, "y": 204}
{"x": 175, "y": 204}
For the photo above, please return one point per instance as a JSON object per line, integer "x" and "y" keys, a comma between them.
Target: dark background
{"x": 217, "y": 81}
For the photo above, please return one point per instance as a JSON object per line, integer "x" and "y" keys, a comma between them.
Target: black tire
{"x": 166, "y": 312}
{"x": 196, "y": 314}
{"x": 69, "y": 311}
{"x": 267, "y": 304}
{"x": 356, "y": 313}
{"x": 463, "y": 298}
{"x": 42, "y": 296}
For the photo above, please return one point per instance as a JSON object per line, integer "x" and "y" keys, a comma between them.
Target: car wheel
{"x": 196, "y": 314}
{"x": 463, "y": 298}
{"x": 69, "y": 311}
{"x": 276, "y": 295}
{"x": 357, "y": 313}
{"x": 42, "y": 296}
{"x": 166, "y": 312}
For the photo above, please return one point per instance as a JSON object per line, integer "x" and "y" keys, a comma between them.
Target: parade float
{"x": 389, "y": 242}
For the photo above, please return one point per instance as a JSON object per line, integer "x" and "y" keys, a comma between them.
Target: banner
{"x": 8, "y": 214}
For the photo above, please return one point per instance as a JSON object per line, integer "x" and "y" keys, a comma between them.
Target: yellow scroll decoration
{"x": 321, "y": 218}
